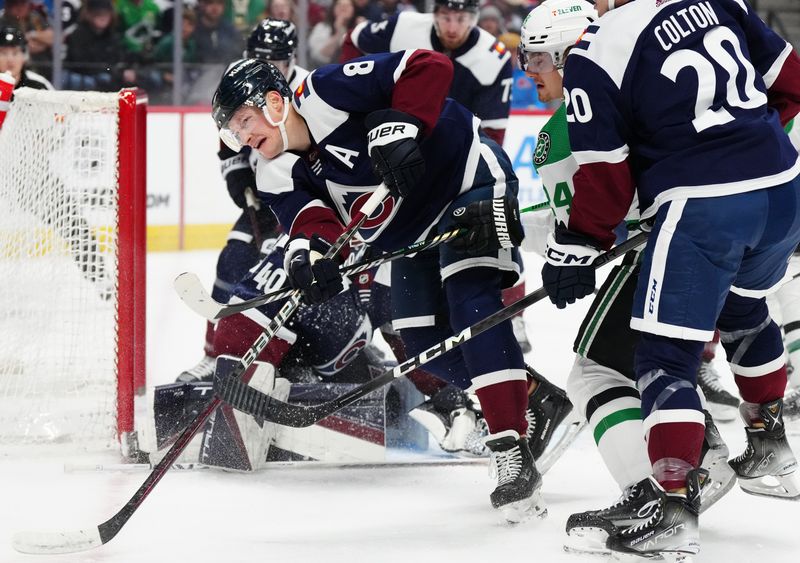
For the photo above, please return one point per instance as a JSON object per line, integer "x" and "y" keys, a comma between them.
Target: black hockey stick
{"x": 253, "y": 206}
{"x": 262, "y": 406}
{"x": 72, "y": 541}
{"x": 191, "y": 291}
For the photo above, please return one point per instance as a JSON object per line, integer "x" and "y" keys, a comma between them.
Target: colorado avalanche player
{"x": 275, "y": 41}
{"x": 668, "y": 100}
{"x": 385, "y": 118}
{"x": 602, "y": 381}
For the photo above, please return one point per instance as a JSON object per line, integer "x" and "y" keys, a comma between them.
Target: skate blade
{"x": 558, "y": 445}
{"x": 522, "y": 510}
{"x": 667, "y": 556}
{"x": 784, "y": 487}
{"x": 721, "y": 480}
{"x": 587, "y": 541}
{"x": 722, "y": 413}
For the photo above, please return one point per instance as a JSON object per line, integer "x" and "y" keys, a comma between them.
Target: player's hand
{"x": 393, "y": 148}
{"x": 316, "y": 277}
{"x": 569, "y": 272}
{"x": 491, "y": 224}
{"x": 237, "y": 173}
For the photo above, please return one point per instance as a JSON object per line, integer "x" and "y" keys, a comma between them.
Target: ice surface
{"x": 437, "y": 513}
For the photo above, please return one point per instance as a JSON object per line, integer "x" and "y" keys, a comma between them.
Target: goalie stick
{"x": 72, "y": 541}
{"x": 261, "y": 406}
{"x": 191, "y": 291}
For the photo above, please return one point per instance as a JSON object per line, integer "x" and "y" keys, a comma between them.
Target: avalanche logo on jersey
{"x": 300, "y": 94}
{"x": 350, "y": 202}
{"x": 499, "y": 48}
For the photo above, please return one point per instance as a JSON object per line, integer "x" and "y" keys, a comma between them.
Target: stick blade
{"x": 57, "y": 542}
{"x": 191, "y": 291}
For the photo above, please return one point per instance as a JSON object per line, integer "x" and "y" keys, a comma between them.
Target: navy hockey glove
{"x": 569, "y": 272}
{"x": 318, "y": 278}
{"x": 237, "y": 173}
{"x": 392, "y": 145}
{"x": 491, "y": 224}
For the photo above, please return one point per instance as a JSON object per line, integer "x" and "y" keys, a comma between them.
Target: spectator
{"x": 94, "y": 50}
{"x": 138, "y": 23}
{"x": 325, "y": 39}
{"x": 162, "y": 56}
{"x": 281, "y": 10}
{"x": 491, "y": 20}
{"x": 13, "y": 56}
{"x": 244, "y": 14}
{"x": 32, "y": 20}
{"x": 216, "y": 40}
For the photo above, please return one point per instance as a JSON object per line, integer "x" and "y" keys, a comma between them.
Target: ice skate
{"x": 667, "y": 529}
{"x": 588, "y": 531}
{"x": 453, "y": 422}
{"x": 714, "y": 459}
{"x": 203, "y": 371}
{"x": 722, "y": 405}
{"x": 548, "y": 406}
{"x": 768, "y": 466}
{"x": 518, "y": 492}
{"x": 521, "y": 334}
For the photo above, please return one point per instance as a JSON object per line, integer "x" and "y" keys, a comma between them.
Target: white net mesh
{"x": 58, "y": 269}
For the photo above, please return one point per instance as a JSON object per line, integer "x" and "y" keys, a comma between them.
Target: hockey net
{"x": 72, "y": 257}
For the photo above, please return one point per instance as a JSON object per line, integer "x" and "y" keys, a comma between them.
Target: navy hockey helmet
{"x": 272, "y": 40}
{"x": 11, "y": 36}
{"x": 462, "y": 5}
{"x": 246, "y": 83}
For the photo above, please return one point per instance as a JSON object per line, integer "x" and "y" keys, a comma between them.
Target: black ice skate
{"x": 723, "y": 406}
{"x": 714, "y": 459}
{"x": 548, "y": 406}
{"x": 669, "y": 530}
{"x": 588, "y": 531}
{"x": 517, "y": 494}
{"x": 768, "y": 457}
{"x": 203, "y": 371}
{"x": 453, "y": 421}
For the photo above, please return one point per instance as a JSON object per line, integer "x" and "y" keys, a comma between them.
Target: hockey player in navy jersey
{"x": 482, "y": 65}
{"x": 682, "y": 103}
{"x": 275, "y": 41}
{"x": 385, "y": 119}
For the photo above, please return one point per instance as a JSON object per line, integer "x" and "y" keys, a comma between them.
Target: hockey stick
{"x": 255, "y": 403}
{"x": 72, "y": 541}
{"x": 253, "y": 205}
{"x": 191, "y": 291}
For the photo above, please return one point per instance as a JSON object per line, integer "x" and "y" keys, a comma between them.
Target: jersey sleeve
{"x": 415, "y": 82}
{"x": 493, "y": 104}
{"x": 598, "y": 133}
{"x": 283, "y": 187}
{"x": 373, "y": 36}
{"x": 774, "y": 59}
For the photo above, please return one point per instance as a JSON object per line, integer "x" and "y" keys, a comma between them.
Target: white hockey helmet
{"x": 549, "y": 29}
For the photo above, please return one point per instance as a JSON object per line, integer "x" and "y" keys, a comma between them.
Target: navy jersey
{"x": 318, "y": 191}
{"x": 482, "y": 65}
{"x": 677, "y": 99}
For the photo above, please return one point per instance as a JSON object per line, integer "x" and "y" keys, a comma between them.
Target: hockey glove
{"x": 237, "y": 173}
{"x": 569, "y": 274}
{"x": 491, "y": 224}
{"x": 316, "y": 277}
{"x": 392, "y": 145}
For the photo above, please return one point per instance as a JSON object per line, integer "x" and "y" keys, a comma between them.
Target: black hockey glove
{"x": 392, "y": 145}
{"x": 318, "y": 278}
{"x": 491, "y": 224}
{"x": 237, "y": 173}
{"x": 569, "y": 272}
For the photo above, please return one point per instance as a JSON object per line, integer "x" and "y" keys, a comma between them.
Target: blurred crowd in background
{"x": 104, "y": 45}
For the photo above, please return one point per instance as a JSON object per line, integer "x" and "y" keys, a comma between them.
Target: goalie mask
{"x": 274, "y": 41}
{"x": 549, "y": 30}
{"x": 246, "y": 83}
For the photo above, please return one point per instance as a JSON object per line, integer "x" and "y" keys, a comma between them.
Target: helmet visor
{"x": 237, "y": 131}
{"x": 536, "y": 62}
